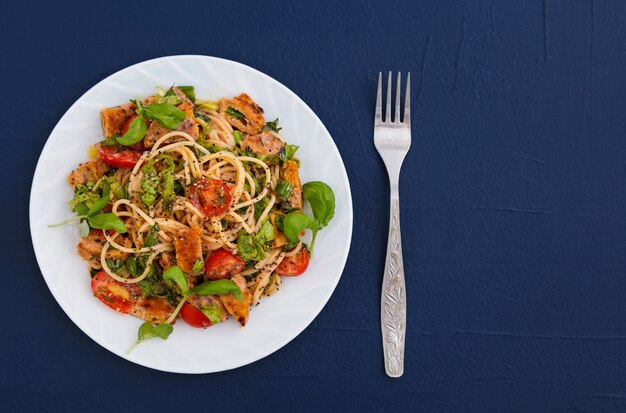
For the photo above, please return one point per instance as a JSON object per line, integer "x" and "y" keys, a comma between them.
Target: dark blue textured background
{"x": 513, "y": 202}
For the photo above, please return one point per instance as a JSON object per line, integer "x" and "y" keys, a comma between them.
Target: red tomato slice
{"x": 119, "y": 296}
{"x": 194, "y": 317}
{"x": 222, "y": 264}
{"x": 211, "y": 196}
{"x": 123, "y": 159}
{"x": 294, "y": 265}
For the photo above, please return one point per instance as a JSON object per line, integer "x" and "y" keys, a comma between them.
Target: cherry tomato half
{"x": 294, "y": 265}
{"x": 119, "y": 296}
{"x": 222, "y": 264}
{"x": 194, "y": 317}
{"x": 211, "y": 196}
{"x": 120, "y": 159}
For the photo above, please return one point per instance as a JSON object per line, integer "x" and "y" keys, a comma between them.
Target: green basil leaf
{"x": 116, "y": 187}
{"x": 136, "y": 132}
{"x": 131, "y": 265}
{"x": 234, "y": 112}
{"x": 265, "y": 233}
{"x": 295, "y": 222}
{"x": 153, "y": 235}
{"x": 107, "y": 221}
{"x": 83, "y": 228}
{"x": 148, "y": 331}
{"x": 218, "y": 287}
{"x": 273, "y": 126}
{"x": 249, "y": 249}
{"x": 102, "y": 202}
{"x": 167, "y": 115}
{"x": 175, "y": 274}
{"x": 189, "y": 91}
{"x": 290, "y": 151}
{"x": 81, "y": 209}
{"x": 322, "y": 200}
{"x": 83, "y": 199}
{"x": 110, "y": 141}
{"x": 213, "y": 313}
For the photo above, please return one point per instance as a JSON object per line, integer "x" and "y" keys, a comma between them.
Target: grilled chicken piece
{"x": 205, "y": 301}
{"x": 87, "y": 171}
{"x": 188, "y": 245}
{"x": 263, "y": 144}
{"x": 289, "y": 173}
{"x": 128, "y": 299}
{"x": 113, "y": 119}
{"x": 252, "y": 120}
{"x": 188, "y": 125}
{"x": 238, "y": 309}
{"x": 153, "y": 309}
{"x": 90, "y": 247}
{"x": 166, "y": 260}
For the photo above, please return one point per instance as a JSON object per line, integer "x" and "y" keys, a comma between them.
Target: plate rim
{"x": 345, "y": 178}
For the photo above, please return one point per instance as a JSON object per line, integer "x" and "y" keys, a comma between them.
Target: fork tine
{"x": 379, "y": 100}
{"x": 396, "y": 117}
{"x": 406, "y": 119}
{"x": 388, "y": 111}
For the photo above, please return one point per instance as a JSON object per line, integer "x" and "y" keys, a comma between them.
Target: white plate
{"x": 278, "y": 319}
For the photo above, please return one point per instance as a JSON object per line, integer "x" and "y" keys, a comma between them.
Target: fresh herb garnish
{"x": 153, "y": 235}
{"x": 167, "y": 115}
{"x": 154, "y": 183}
{"x": 283, "y": 189}
{"x": 249, "y": 249}
{"x": 290, "y": 151}
{"x": 107, "y": 221}
{"x": 136, "y": 132}
{"x": 252, "y": 247}
{"x": 218, "y": 287}
{"x": 90, "y": 214}
{"x": 189, "y": 91}
{"x": 110, "y": 141}
{"x": 213, "y": 313}
{"x": 148, "y": 331}
{"x": 115, "y": 264}
{"x": 234, "y": 112}
{"x": 175, "y": 275}
{"x": 212, "y": 287}
{"x": 273, "y": 126}
{"x": 322, "y": 201}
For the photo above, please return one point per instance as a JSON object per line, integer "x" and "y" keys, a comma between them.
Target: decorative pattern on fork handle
{"x": 393, "y": 316}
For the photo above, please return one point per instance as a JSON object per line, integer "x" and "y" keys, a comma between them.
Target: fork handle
{"x": 393, "y": 300}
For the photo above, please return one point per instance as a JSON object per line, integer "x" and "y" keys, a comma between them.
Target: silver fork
{"x": 393, "y": 140}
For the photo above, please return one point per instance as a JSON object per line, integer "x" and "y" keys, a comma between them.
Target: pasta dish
{"x": 192, "y": 208}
